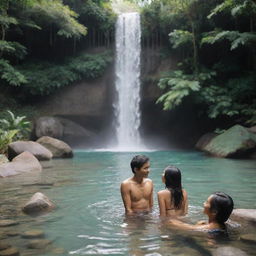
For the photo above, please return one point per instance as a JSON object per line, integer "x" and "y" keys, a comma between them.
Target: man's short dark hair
{"x": 223, "y": 205}
{"x": 138, "y": 161}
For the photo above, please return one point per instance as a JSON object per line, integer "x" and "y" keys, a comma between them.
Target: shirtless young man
{"x": 137, "y": 191}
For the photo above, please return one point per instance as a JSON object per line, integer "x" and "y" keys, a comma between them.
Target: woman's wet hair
{"x": 172, "y": 177}
{"x": 138, "y": 161}
{"x": 223, "y": 205}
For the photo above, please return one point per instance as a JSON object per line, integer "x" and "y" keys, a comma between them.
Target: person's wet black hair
{"x": 223, "y": 205}
{"x": 138, "y": 161}
{"x": 173, "y": 182}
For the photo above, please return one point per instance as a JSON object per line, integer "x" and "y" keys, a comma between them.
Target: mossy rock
{"x": 234, "y": 143}
{"x": 3, "y": 159}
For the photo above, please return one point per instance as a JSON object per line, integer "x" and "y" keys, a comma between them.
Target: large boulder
{"x": 235, "y": 142}
{"x": 252, "y": 129}
{"x": 39, "y": 151}
{"x": 58, "y": 148}
{"x": 61, "y": 128}
{"x": 248, "y": 215}
{"x": 204, "y": 140}
{"x": 38, "y": 203}
{"x": 48, "y": 126}
{"x": 25, "y": 162}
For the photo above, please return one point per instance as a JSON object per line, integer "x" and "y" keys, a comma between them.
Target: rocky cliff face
{"x": 90, "y": 104}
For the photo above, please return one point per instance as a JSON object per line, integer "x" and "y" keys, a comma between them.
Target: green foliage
{"x": 96, "y": 15}
{"x": 13, "y": 48}
{"x": 55, "y": 13}
{"x": 235, "y": 7}
{"x": 180, "y": 38}
{"x": 16, "y": 123}
{"x": 45, "y": 78}
{"x": 180, "y": 85}
{"x": 236, "y": 38}
{"x": 6, "y": 137}
{"x": 11, "y": 75}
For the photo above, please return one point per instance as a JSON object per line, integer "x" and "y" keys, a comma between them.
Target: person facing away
{"x": 137, "y": 191}
{"x": 173, "y": 199}
{"x": 218, "y": 208}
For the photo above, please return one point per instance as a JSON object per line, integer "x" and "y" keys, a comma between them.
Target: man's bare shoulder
{"x": 147, "y": 180}
{"x": 127, "y": 181}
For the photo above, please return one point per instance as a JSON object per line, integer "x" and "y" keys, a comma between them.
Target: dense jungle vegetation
{"x": 215, "y": 42}
{"x": 44, "y": 45}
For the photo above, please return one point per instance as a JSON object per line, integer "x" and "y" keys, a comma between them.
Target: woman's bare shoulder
{"x": 163, "y": 192}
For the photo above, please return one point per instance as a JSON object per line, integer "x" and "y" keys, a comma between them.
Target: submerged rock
{"x": 228, "y": 251}
{"x": 235, "y": 142}
{"x": 7, "y": 223}
{"x": 38, "y": 203}
{"x": 25, "y": 162}
{"x": 36, "y": 149}
{"x": 59, "y": 148}
{"x": 4, "y": 245}
{"x": 38, "y": 243}
{"x": 249, "y": 238}
{"x": 33, "y": 234}
{"x": 11, "y": 251}
{"x": 244, "y": 215}
{"x": 12, "y": 233}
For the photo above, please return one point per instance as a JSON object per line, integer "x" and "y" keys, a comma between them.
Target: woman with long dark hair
{"x": 218, "y": 208}
{"x": 173, "y": 199}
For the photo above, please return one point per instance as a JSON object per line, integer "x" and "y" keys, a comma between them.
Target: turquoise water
{"x": 89, "y": 218}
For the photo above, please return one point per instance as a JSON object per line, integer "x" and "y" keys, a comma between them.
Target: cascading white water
{"x": 127, "y": 69}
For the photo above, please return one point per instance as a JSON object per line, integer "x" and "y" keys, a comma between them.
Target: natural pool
{"x": 89, "y": 218}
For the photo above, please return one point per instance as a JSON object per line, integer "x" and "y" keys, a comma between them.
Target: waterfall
{"x": 127, "y": 70}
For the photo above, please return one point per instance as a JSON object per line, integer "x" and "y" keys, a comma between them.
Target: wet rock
{"x": 38, "y": 203}
{"x": 204, "y": 140}
{"x": 250, "y": 238}
{"x": 2, "y": 236}
{"x": 7, "y": 223}
{"x": 12, "y": 251}
{"x": 244, "y": 214}
{"x": 228, "y": 251}
{"x": 58, "y": 251}
{"x": 38, "y": 243}
{"x": 36, "y": 149}
{"x": 3, "y": 159}
{"x": 25, "y": 162}
{"x": 59, "y": 148}
{"x": 12, "y": 233}
{"x": 4, "y": 245}
{"x": 33, "y": 234}
{"x": 39, "y": 184}
{"x": 234, "y": 142}
{"x": 252, "y": 129}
